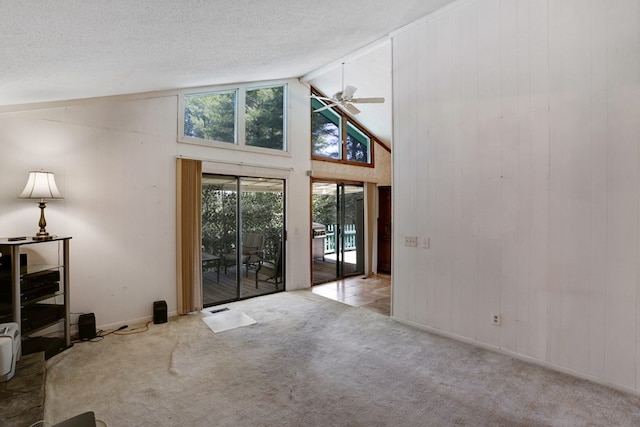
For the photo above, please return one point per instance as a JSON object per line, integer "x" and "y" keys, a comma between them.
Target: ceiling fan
{"x": 345, "y": 99}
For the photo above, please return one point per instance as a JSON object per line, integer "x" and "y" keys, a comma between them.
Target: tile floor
{"x": 373, "y": 293}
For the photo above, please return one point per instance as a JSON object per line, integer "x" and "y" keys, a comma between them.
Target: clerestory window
{"x": 243, "y": 116}
{"x": 336, "y": 136}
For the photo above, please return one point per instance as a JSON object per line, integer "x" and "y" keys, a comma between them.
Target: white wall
{"x": 114, "y": 161}
{"x": 517, "y": 125}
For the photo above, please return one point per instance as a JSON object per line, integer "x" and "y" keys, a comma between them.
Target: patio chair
{"x": 272, "y": 270}
{"x": 252, "y": 252}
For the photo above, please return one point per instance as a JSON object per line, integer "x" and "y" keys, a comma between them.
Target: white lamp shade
{"x": 41, "y": 185}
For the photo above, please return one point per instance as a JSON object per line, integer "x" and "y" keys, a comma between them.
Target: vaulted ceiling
{"x": 71, "y": 49}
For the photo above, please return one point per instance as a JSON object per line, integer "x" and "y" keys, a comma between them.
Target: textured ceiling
{"x": 69, "y": 49}
{"x": 74, "y": 49}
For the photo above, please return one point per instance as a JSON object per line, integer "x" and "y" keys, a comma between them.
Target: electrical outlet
{"x": 411, "y": 241}
{"x": 496, "y": 319}
{"x": 426, "y": 242}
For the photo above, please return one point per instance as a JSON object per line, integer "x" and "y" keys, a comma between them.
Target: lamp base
{"x": 42, "y": 236}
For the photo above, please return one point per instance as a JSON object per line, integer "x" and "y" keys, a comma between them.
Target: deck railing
{"x": 349, "y": 238}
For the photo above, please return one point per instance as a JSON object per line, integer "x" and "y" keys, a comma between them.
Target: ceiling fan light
{"x": 349, "y": 91}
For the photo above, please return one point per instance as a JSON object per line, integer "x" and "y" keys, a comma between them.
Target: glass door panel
{"x": 262, "y": 237}
{"x": 219, "y": 238}
{"x": 242, "y": 237}
{"x": 338, "y": 230}
{"x": 324, "y": 242}
{"x": 352, "y": 226}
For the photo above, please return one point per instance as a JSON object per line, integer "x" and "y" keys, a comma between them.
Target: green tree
{"x": 211, "y": 116}
{"x": 325, "y": 132}
{"x": 264, "y": 120}
{"x": 324, "y": 209}
{"x": 262, "y": 212}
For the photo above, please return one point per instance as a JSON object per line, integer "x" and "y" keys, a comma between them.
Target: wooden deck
{"x": 214, "y": 292}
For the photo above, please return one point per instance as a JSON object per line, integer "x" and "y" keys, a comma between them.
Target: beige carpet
{"x": 309, "y": 361}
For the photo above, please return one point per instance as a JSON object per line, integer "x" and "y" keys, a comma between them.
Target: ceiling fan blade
{"x": 326, "y": 107}
{"x": 348, "y": 92}
{"x": 368, "y": 100}
{"x": 351, "y": 108}
{"x": 322, "y": 98}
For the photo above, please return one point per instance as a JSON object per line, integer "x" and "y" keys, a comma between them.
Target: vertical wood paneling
{"x": 422, "y": 124}
{"x": 526, "y": 145}
{"x": 521, "y": 285}
{"x": 622, "y": 190}
{"x": 536, "y": 336}
{"x": 404, "y": 200}
{"x": 637, "y": 290}
{"x": 509, "y": 177}
{"x": 598, "y": 137}
{"x": 456, "y": 314}
{"x": 622, "y": 238}
{"x": 489, "y": 170}
{"x": 468, "y": 247}
{"x": 444, "y": 169}
{"x": 637, "y": 314}
{"x": 556, "y": 202}
{"x": 576, "y": 171}
{"x": 430, "y": 155}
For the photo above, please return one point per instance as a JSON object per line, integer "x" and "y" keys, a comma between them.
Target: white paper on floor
{"x": 226, "y": 320}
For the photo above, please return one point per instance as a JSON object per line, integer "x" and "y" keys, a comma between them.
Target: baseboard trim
{"x": 519, "y": 356}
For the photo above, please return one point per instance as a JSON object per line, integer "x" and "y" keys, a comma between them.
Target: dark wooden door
{"x": 384, "y": 229}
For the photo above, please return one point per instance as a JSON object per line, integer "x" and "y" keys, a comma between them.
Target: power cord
{"x": 100, "y": 334}
{"x": 138, "y": 330}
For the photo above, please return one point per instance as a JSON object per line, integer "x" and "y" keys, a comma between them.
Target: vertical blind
{"x": 189, "y": 235}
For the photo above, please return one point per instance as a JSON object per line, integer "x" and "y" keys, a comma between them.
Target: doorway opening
{"x": 242, "y": 237}
{"x": 338, "y": 249}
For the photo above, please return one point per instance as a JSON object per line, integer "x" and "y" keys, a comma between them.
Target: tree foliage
{"x": 326, "y": 135}
{"x": 324, "y": 208}
{"x": 325, "y": 132}
{"x": 356, "y": 150}
{"x": 262, "y": 212}
{"x": 264, "y": 120}
{"x": 211, "y": 116}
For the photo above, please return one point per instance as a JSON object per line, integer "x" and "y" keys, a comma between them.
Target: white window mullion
{"x": 241, "y": 116}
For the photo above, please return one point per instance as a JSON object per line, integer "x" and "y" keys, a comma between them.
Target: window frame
{"x": 240, "y": 117}
{"x": 234, "y": 91}
{"x": 345, "y": 120}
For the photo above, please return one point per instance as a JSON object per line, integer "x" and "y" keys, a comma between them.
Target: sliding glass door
{"x": 242, "y": 237}
{"x": 338, "y": 230}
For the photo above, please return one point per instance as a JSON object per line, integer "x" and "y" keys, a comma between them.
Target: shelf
{"x": 4, "y": 241}
{"x": 43, "y": 298}
{"x": 37, "y": 268}
{"x": 40, "y": 328}
{"x": 36, "y": 296}
{"x": 50, "y": 346}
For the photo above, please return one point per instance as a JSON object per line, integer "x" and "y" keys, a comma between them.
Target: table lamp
{"x": 41, "y": 186}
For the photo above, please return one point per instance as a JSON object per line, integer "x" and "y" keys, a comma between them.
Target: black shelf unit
{"x": 35, "y": 296}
